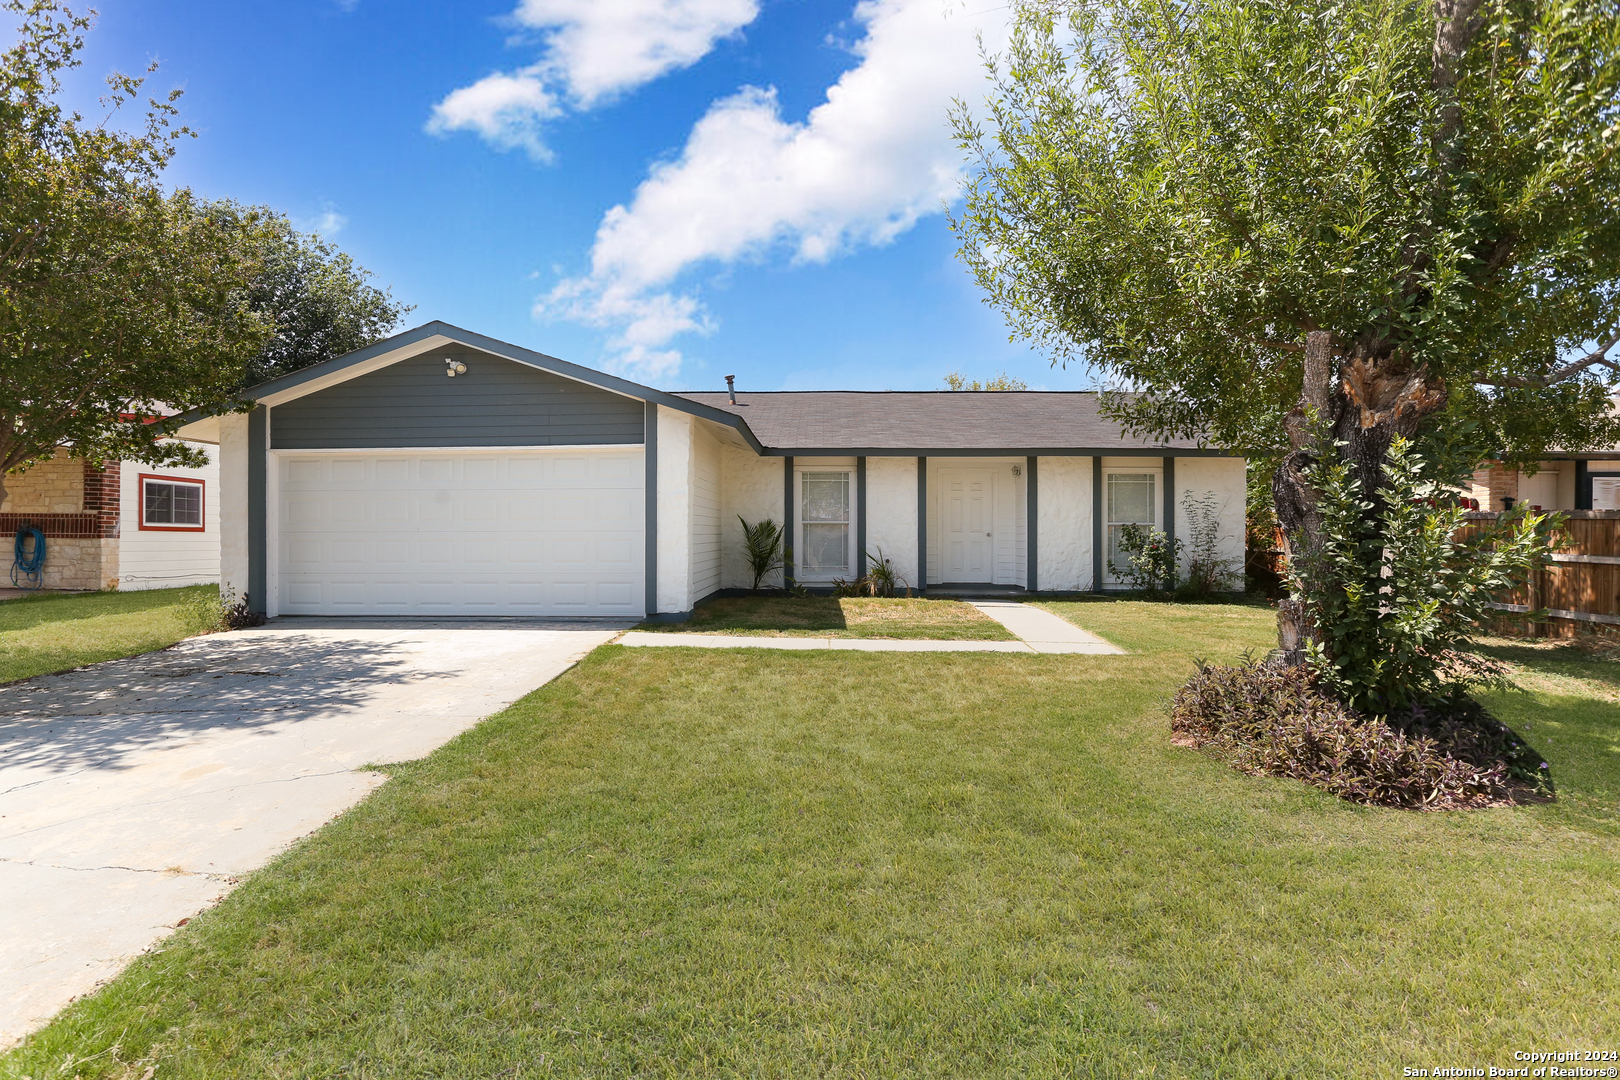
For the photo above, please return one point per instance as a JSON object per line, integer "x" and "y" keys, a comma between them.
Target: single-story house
{"x": 122, "y": 526}
{"x": 441, "y": 472}
{"x": 1566, "y": 481}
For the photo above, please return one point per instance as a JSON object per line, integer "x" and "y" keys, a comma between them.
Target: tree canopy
{"x": 1179, "y": 192}
{"x": 119, "y": 301}
{"x": 317, "y": 301}
{"x": 955, "y": 380}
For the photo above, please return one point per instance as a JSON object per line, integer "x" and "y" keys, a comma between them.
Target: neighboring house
{"x": 443, "y": 472}
{"x": 126, "y": 526}
{"x": 1589, "y": 481}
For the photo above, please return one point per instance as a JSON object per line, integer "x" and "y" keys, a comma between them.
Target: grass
{"x": 53, "y": 632}
{"x": 762, "y": 863}
{"x": 841, "y": 617}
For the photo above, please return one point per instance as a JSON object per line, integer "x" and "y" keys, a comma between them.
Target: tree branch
{"x": 1598, "y": 357}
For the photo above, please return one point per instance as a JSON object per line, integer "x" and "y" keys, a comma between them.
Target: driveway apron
{"x": 133, "y": 793}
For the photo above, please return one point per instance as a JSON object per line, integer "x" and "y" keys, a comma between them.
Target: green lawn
{"x": 845, "y": 617}
{"x": 781, "y": 864}
{"x": 54, "y": 632}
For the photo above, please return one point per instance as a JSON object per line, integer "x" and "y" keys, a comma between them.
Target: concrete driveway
{"x": 133, "y": 793}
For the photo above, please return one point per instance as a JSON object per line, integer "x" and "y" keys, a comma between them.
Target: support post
{"x": 1032, "y": 489}
{"x": 922, "y": 524}
{"x": 1170, "y": 518}
{"x": 860, "y": 517}
{"x": 650, "y": 448}
{"x": 1096, "y": 525}
{"x": 787, "y": 523}
{"x": 258, "y": 509}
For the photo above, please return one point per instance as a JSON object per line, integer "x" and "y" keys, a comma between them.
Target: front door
{"x": 967, "y": 498}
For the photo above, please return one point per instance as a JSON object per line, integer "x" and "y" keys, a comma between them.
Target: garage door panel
{"x": 524, "y": 532}
{"x": 615, "y": 553}
{"x": 480, "y": 471}
{"x": 304, "y": 592}
{"x": 570, "y": 468}
{"x": 621, "y": 594}
{"x": 390, "y": 472}
{"x": 348, "y": 472}
{"x": 610, "y": 469}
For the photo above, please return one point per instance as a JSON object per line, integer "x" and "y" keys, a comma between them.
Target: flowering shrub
{"x": 1269, "y": 719}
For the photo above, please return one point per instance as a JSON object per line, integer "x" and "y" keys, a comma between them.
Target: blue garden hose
{"x": 28, "y": 567}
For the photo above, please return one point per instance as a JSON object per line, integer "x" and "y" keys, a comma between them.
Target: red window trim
{"x": 140, "y": 503}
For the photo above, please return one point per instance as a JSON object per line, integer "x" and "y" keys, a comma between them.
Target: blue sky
{"x": 671, "y": 189}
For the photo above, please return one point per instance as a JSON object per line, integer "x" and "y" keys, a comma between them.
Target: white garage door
{"x": 422, "y": 532}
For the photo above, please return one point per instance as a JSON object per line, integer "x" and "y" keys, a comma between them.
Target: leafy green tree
{"x": 1399, "y": 216}
{"x": 318, "y": 302}
{"x": 118, "y": 301}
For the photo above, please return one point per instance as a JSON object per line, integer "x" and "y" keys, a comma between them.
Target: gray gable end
{"x": 498, "y": 402}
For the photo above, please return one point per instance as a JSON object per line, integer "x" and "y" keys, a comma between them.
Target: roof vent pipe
{"x": 731, "y": 388}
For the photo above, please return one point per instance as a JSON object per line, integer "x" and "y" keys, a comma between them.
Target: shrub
{"x": 212, "y": 611}
{"x": 1263, "y": 718}
{"x": 1392, "y": 592}
{"x": 1151, "y": 558}
{"x": 880, "y": 579}
{"x": 1208, "y": 571}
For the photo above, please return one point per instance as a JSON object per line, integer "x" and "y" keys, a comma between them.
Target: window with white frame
{"x": 1130, "y": 501}
{"x": 824, "y": 525}
{"x": 169, "y": 502}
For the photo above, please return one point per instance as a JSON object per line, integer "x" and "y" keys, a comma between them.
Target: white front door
{"x": 967, "y": 509}
{"x": 445, "y": 532}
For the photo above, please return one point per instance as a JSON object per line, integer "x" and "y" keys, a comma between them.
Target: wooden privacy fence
{"x": 1581, "y": 589}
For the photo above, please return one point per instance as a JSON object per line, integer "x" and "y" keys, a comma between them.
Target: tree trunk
{"x": 1360, "y": 402}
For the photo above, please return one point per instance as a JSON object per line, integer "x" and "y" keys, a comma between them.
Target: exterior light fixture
{"x": 1017, "y": 471}
{"x": 454, "y": 367}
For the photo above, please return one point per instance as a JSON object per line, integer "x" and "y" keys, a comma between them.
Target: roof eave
{"x": 438, "y": 334}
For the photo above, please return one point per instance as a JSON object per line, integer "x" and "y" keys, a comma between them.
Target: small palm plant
{"x": 880, "y": 579}
{"x": 762, "y": 542}
{"x": 884, "y": 579}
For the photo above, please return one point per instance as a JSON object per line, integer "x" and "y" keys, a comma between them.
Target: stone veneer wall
{"x": 75, "y": 505}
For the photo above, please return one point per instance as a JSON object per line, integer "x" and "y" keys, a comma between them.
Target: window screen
{"x": 824, "y": 547}
{"x": 168, "y": 502}
{"x": 1131, "y": 501}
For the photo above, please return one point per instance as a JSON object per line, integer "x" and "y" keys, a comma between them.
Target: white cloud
{"x": 328, "y": 222}
{"x": 506, "y": 110}
{"x": 641, "y": 323}
{"x": 599, "y": 49}
{"x": 591, "y": 51}
{"x": 859, "y": 170}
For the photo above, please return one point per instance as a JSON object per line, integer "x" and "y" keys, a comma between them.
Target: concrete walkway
{"x": 133, "y": 793}
{"x": 1043, "y": 631}
{"x": 1039, "y": 632}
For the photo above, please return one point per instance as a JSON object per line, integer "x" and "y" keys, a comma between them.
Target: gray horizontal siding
{"x": 496, "y": 403}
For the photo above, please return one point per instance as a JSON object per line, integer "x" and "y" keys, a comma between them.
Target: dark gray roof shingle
{"x": 852, "y": 420}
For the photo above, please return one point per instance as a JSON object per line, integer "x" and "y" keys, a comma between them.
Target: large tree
{"x": 318, "y": 301}
{"x": 1401, "y": 217}
{"x": 119, "y": 301}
